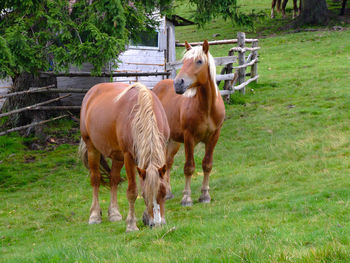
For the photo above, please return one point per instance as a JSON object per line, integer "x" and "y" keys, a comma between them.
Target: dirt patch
{"x": 52, "y": 141}
{"x": 29, "y": 159}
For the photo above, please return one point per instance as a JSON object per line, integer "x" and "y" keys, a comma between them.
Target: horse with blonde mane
{"x": 127, "y": 124}
{"x": 195, "y": 112}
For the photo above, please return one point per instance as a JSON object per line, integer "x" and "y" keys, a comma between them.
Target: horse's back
{"x": 99, "y": 115}
{"x": 106, "y": 120}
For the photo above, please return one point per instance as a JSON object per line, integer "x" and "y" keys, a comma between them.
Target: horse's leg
{"x": 172, "y": 149}
{"x": 131, "y": 192}
{"x": 113, "y": 211}
{"x": 284, "y": 4}
{"x": 95, "y": 177}
{"x": 188, "y": 169}
{"x": 279, "y": 5}
{"x": 273, "y": 8}
{"x": 207, "y": 164}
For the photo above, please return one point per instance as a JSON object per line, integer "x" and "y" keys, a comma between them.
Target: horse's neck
{"x": 207, "y": 96}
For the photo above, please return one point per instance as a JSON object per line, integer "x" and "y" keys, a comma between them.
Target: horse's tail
{"x": 105, "y": 170}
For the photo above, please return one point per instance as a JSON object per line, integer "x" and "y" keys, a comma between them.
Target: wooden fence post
{"x": 241, "y": 59}
{"x": 227, "y": 85}
{"x": 254, "y": 68}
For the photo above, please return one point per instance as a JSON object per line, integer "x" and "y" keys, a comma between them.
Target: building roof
{"x": 179, "y": 21}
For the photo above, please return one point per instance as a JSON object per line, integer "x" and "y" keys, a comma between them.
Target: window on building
{"x": 146, "y": 39}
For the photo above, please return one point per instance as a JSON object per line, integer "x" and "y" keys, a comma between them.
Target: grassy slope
{"x": 279, "y": 185}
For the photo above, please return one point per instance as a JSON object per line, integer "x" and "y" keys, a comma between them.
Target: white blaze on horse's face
{"x": 156, "y": 213}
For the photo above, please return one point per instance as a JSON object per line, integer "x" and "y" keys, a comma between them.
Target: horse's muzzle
{"x": 179, "y": 85}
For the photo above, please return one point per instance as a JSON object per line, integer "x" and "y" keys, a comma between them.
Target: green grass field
{"x": 280, "y": 183}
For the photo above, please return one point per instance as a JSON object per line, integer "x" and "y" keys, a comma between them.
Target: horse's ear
{"x": 162, "y": 171}
{"x": 142, "y": 173}
{"x": 187, "y": 46}
{"x": 205, "y": 46}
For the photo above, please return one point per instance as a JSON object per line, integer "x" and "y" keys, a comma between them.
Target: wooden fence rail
{"x": 105, "y": 74}
{"x": 31, "y": 125}
{"x": 33, "y": 106}
{"x": 217, "y": 42}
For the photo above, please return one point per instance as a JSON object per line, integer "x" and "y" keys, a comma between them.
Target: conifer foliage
{"x": 51, "y": 34}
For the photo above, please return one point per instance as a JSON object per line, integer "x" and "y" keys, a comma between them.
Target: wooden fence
{"x": 243, "y": 60}
{"x": 230, "y": 79}
{"x": 66, "y": 92}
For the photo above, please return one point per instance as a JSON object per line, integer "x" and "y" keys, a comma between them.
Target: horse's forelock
{"x": 194, "y": 53}
{"x": 151, "y": 184}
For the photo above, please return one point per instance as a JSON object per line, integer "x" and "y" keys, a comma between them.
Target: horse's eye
{"x": 199, "y": 62}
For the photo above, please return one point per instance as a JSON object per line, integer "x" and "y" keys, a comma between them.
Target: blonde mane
{"x": 148, "y": 141}
{"x": 197, "y": 52}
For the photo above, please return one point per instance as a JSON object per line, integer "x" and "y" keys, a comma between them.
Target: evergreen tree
{"x": 41, "y": 35}
{"x": 35, "y": 34}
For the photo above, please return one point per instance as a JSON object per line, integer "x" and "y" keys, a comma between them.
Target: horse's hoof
{"x": 115, "y": 217}
{"x": 186, "y": 202}
{"x": 94, "y": 220}
{"x": 169, "y": 195}
{"x": 204, "y": 199}
{"x": 131, "y": 228}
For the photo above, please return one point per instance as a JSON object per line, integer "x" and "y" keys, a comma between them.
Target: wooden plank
{"x": 246, "y": 64}
{"x": 139, "y": 68}
{"x": 225, "y": 60}
{"x": 228, "y": 84}
{"x": 143, "y": 64}
{"x": 239, "y": 87}
{"x": 48, "y": 108}
{"x": 173, "y": 65}
{"x": 254, "y": 68}
{"x": 218, "y": 62}
{"x": 241, "y": 59}
{"x": 30, "y": 90}
{"x": 239, "y": 49}
{"x": 217, "y": 42}
{"x": 105, "y": 74}
{"x": 32, "y": 106}
{"x": 31, "y": 125}
{"x": 139, "y": 52}
{"x": 225, "y": 77}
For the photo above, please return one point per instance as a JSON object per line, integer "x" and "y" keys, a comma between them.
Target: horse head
{"x": 197, "y": 69}
{"x": 153, "y": 188}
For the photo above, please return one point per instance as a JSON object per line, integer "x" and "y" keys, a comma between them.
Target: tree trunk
{"x": 343, "y": 7}
{"x": 313, "y": 12}
{"x": 23, "y": 82}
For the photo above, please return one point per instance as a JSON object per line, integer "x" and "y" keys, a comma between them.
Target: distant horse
{"x": 195, "y": 116}
{"x": 296, "y": 10}
{"x": 127, "y": 124}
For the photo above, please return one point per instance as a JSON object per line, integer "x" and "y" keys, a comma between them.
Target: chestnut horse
{"x": 296, "y": 10}
{"x": 195, "y": 116}
{"x": 127, "y": 124}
